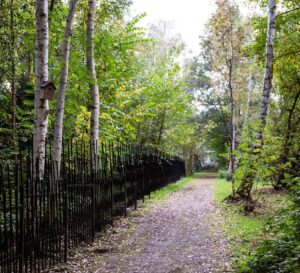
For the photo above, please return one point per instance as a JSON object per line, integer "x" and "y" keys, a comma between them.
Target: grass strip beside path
{"x": 174, "y": 187}
{"x": 164, "y": 192}
{"x": 246, "y": 232}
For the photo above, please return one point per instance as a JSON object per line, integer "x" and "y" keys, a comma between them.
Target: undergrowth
{"x": 247, "y": 232}
{"x": 280, "y": 253}
{"x": 223, "y": 173}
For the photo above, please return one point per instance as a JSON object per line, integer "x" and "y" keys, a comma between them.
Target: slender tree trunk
{"x": 29, "y": 70}
{"x": 287, "y": 142}
{"x": 52, "y": 4}
{"x": 231, "y": 168}
{"x": 13, "y": 77}
{"x": 287, "y": 145}
{"x": 161, "y": 127}
{"x": 250, "y": 86}
{"x": 94, "y": 89}
{"x": 244, "y": 190}
{"x": 58, "y": 125}
{"x": 269, "y": 56}
{"x": 41, "y": 105}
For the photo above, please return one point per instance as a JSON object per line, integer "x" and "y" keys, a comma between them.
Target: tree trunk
{"x": 94, "y": 89}
{"x": 52, "y": 4}
{"x": 161, "y": 127}
{"x": 58, "y": 125}
{"x": 13, "y": 78}
{"x": 268, "y": 76}
{"x": 287, "y": 145}
{"x": 250, "y": 86}
{"x": 41, "y": 105}
{"x": 244, "y": 190}
{"x": 231, "y": 168}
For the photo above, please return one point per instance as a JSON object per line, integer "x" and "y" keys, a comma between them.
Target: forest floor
{"x": 180, "y": 233}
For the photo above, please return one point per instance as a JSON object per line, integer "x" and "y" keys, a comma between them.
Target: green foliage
{"x": 221, "y": 190}
{"x": 259, "y": 163}
{"x": 247, "y": 157}
{"x": 277, "y": 161}
{"x": 281, "y": 254}
{"x": 223, "y": 174}
{"x": 265, "y": 241}
{"x": 148, "y": 96}
{"x": 243, "y": 231}
{"x": 144, "y": 95}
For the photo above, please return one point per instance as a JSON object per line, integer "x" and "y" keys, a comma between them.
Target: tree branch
{"x": 52, "y": 4}
{"x": 288, "y": 11}
{"x": 286, "y": 54}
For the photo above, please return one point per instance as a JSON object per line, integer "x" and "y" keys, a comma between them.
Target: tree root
{"x": 249, "y": 203}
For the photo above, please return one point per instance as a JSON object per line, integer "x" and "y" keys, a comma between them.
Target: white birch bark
{"x": 230, "y": 63}
{"x": 268, "y": 76}
{"x": 94, "y": 89}
{"x": 231, "y": 168}
{"x": 41, "y": 105}
{"x": 250, "y": 87}
{"x": 245, "y": 187}
{"x": 58, "y": 125}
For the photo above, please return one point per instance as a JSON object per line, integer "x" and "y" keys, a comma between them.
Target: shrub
{"x": 223, "y": 174}
{"x": 282, "y": 254}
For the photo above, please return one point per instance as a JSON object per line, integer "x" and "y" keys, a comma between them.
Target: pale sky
{"x": 188, "y": 16}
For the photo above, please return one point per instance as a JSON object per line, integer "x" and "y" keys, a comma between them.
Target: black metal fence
{"x": 42, "y": 219}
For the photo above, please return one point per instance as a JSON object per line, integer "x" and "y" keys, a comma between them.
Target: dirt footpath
{"x": 181, "y": 234}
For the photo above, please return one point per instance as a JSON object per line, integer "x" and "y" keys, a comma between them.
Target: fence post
{"x": 142, "y": 166}
{"x": 111, "y": 182}
{"x": 93, "y": 204}
{"x": 123, "y": 178}
{"x": 22, "y": 226}
{"x": 65, "y": 205}
{"x": 136, "y": 187}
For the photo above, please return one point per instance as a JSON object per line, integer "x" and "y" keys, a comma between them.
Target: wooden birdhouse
{"x": 47, "y": 91}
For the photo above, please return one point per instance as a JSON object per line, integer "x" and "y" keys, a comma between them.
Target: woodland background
{"x": 133, "y": 83}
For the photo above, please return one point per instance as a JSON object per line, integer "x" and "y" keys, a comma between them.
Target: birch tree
{"x": 231, "y": 168}
{"x": 94, "y": 89}
{"x": 250, "y": 87}
{"x": 268, "y": 76}
{"x": 41, "y": 106}
{"x": 244, "y": 190}
{"x": 58, "y": 126}
{"x": 13, "y": 74}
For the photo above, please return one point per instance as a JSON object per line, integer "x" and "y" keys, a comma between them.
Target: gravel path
{"x": 178, "y": 235}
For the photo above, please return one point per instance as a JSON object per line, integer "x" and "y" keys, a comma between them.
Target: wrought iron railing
{"x": 42, "y": 219}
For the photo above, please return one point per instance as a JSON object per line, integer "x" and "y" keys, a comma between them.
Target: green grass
{"x": 221, "y": 190}
{"x": 167, "y": 190}
{"x": 245, "y": 232}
